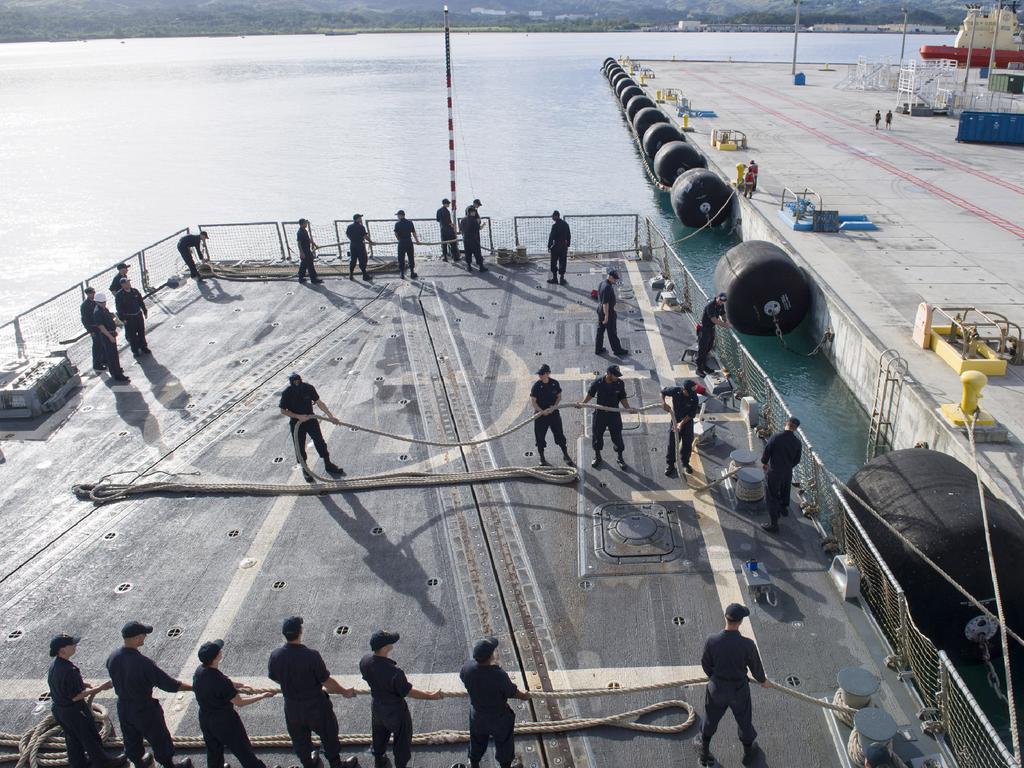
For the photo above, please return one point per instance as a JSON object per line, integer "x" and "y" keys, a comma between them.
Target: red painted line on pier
{"x": 937, "y": 191}
{"x": 900, "y": 142}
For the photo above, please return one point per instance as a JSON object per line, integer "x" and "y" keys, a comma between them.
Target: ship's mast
{"x": 451, "y": 120}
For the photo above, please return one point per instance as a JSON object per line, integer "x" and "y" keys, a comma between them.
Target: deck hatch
{"x": 635, "y": 532}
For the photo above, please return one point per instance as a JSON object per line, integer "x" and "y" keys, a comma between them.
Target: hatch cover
{"x": 632, "y": 533}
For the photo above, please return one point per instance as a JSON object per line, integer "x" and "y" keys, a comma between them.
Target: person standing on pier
{"x": 305, "y": 683}
{"x": 358, "y": 237}
{"x": 307, "y": 253}
{"x": 297, "y": 403}
{"x": 490, "y": 716}
{"x": 122, "y": 271}
{"x": 470, "y": 227}
{"x": 683, "y": 407}
{"x": 727, "y": 657}
{"x": 781, "y": 456}
{"x": 606, "y": 317}
{"x": 754, "y": 168}
{"x": 389, "y": 714}
{"x": 558, "y": 244}
{"x": 878, "y": 118}
{"x": 610, "y": 392}
{"x": 888, "y": 120}
{"x": 107, "y": 329}
{"x": 545, "y": 395}
{"x": 713, "y": 315}
{"x": 405, "y": 231}
{"x": 134, "y": 676}
{"x": 749, "y": 182}
{"x": 87, "y": 310}
{"x": 219, "y": 722}
{"x": 131, "y": 310}
{"x": 449, "y": 238}
{"x": 185, "y": 246}
{"x": 68, "y": 694}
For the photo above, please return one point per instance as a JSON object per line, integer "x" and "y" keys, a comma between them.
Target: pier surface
{"x": 950, "y": 215}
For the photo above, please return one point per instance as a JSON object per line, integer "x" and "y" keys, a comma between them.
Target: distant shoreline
{"x": 431, "y": 31}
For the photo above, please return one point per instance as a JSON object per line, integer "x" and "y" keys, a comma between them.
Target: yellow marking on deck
{"x": 681, "y": 494}
{"x": 727, "y": 583}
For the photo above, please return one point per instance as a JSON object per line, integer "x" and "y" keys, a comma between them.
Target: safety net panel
{"x": 325, "y": 236}
{"x": 597, "y": 234}
{"x": 161, "y": 260}
{"x": 256, "y": 241}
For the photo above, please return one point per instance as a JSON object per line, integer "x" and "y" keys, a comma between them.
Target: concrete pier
{"x": 950, "y": 229}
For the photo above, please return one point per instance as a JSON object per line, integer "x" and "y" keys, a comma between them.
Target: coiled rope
{"x": 105, "y": 491}
{"x": 42, "y": 746}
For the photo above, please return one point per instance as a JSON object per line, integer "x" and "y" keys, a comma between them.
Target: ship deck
{"x": 949, "y": 232}
{"x": 450, "y": 356}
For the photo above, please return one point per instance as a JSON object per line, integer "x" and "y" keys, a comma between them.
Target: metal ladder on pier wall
{"x": 892, "y": 370}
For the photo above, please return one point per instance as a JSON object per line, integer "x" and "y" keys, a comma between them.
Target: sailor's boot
{"x": 543, "y": 461}
{"x": 750, "y": 753}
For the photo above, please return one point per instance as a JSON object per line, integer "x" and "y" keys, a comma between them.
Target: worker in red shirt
{"x": 754, "y": 169}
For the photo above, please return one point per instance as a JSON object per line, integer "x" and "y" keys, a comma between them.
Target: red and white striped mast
{"x": 451, "y": 120}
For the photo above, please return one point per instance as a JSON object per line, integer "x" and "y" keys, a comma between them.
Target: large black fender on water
{"x": 699, "y": 195}
{"x": 645, "y": 118}
{"x": 618, "y": 77}
{"x": 658, "y": 136}
{"x": 764, "y": 286}
{"x": 674, "y": 158}
{"x": 613, "y": 71}
{"x": 609, "y": 61}
{"x": 637, "y": 103}
{"x": 932, "y": 500}
{"x": 627, "y": 94}
{"x": 623, "y": 84}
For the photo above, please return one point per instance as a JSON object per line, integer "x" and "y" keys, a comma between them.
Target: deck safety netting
{"x": 258, "y": 241}
{"x": 326, "y": 235}
{"x": 161, "y": 260}
{"x": 590, "y": 234}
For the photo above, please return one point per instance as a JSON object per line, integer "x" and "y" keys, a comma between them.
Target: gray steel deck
{"x": 448, "y": 356}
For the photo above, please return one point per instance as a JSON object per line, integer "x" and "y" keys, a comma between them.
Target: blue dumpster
{"x": 799, "y": 79}
{"x": 991, "y": 127}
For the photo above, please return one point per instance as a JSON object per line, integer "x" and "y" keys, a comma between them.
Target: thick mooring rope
{"x": 42, "y": 746}
{"x": 106, "y": 492}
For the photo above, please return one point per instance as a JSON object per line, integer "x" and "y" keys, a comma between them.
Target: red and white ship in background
{"x": 1006, "y": 40}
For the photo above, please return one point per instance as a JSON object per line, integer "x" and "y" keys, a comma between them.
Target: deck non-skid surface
{"x": 446, "y": 357}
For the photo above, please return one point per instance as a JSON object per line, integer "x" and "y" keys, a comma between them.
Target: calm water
{"x": 108, "y": 146}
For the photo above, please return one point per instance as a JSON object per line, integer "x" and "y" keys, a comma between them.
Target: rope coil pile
{"x": 42, "y": 746}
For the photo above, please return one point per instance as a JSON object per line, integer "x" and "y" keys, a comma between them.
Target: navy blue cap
{"x": 689, "y": 384}
{"x": 736, "y": 612}
{"x": 62, "y": 641}
{"x": 122, "y": 265}
{"x": 722, "y": 296}
{"x": 294, "y": 375}
{"x": 877, "y": 755}
{"x": 356, "y": 216}
{"x": 399, "y": 212}
{"x": 614, "y": 370}
{"x": 477, "y": 202}
{"x": 292, "y": 625}
{"x": 484, "y": 648}
{"x": 382, "y": 637}
{"x": 446, "y": 201}
{"x": 544, "y": 369}
{"x": 208, "y": 651}
{"x": 134, "y": 629}
{"x": 613, "y": 273}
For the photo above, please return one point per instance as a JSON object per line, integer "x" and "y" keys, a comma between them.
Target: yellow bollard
{"x": 686, "y": 121}
{"x": 741, "y": 172}
{"x": 973, "y": 382}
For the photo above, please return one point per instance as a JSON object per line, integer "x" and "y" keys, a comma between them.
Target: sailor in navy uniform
{"x": 134, "y": 676}
{"x": 683, "y": 406}
{"x": 558, "y": 246}
{"x": 219, "y": 722}
{"x": 358, "y": 237}
{"x": 185, "y": 246}
{"x": 611, "y": 393}
{"x": 307, "y": 253}
{"x": 713, "y": 315}
{"x": 122, "y": 272}
{"x": 405, "y": 231}
{"x": 781, "y": 456}
{"x": 88, "y": 312}
{"x": 131, "y": 310}
{"x": 545, "y": 395}
{"x": 389, "y": 714}
{"x": 68, "y": 694}
{"x": 107, "y": 330}
{"x": 607, "y": 320}
{"x": 449, "y": 243}
{"x": 305, "y": 683}
{"x": 727, "y": 657}
{"x": 490, "y": 716}
{"x": 297, "y": 404}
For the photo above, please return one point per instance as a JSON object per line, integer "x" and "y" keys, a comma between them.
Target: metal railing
{"x": 970, "y": 735}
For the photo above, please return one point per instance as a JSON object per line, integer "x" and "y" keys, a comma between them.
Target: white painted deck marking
{"x": 727, "y": 582}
